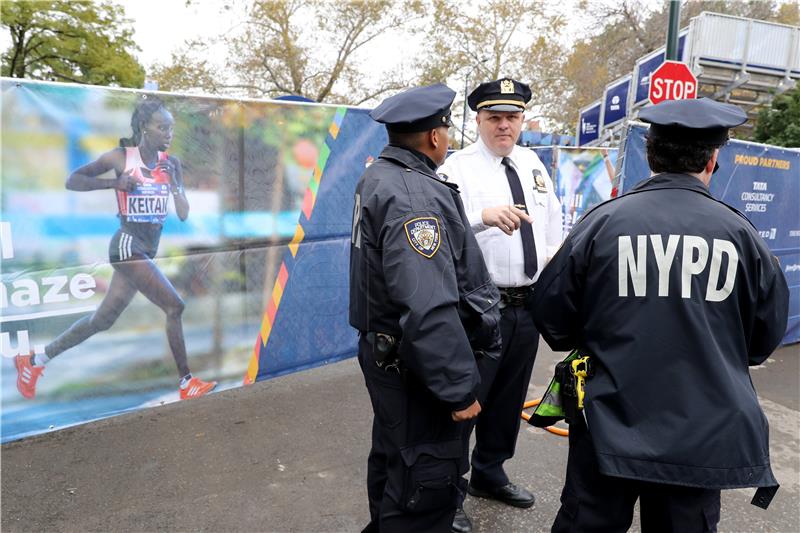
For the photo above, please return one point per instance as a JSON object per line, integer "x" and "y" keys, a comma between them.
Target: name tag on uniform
{"x": 538, "y": 179}
{"x": 423, "y": 234}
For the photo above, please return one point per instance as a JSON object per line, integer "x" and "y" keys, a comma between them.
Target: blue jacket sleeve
{"x": 421, "y": 279}
{"x": 772, "y": 310}
{"x": 558, "y": 295}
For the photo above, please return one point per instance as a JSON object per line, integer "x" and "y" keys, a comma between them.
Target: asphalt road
{"x": 290, "y": 454}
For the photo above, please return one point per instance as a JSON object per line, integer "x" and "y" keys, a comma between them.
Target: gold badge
{"x": 538, "y": 179}
{"x": 506, "y": 87}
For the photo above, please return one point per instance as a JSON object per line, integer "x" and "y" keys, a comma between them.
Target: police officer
{"x": 516, "y": 217}
{"x": 673, "y": 294}
{"x": 422, "y": 299}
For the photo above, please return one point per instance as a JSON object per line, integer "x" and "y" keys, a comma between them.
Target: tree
{"x": 780, "y": 123}
{"x": 480, "y": 41}
{"x": 492, "y": 36}
{"x": 74, "y": 41}
{"x": 625, "y": 31}
{"x": 187, "y": 71}
{"x": 307, "y": 48}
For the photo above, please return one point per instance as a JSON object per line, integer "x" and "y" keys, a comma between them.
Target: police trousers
{"x": 593, "y": 502}
{"x": 504, "y": 384}
{"x": 416, "y": 461}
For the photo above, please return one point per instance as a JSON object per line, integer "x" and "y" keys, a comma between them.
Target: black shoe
{"x": 461, "y": 522}
{"x": 509, "y": 494}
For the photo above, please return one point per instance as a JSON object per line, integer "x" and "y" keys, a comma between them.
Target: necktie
{"x": 525, "y": 229}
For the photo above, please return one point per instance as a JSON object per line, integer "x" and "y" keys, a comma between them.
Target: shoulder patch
{"x": 423, "y": 235}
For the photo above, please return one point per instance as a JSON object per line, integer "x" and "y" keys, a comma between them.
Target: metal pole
{"x": 673, "y": 30}
{"x": 464, "y": 117}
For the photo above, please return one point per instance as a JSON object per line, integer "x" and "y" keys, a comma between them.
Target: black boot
{"x": 461, "y": 522}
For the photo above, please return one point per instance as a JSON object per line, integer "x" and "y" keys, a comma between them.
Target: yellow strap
{"x": 579, "y": 367}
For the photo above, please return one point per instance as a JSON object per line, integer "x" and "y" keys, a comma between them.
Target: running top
{"x": 147, "y": 203}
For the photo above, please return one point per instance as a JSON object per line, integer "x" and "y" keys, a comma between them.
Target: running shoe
{"x": 196, "y": 388}
{"x": 27, "y": 375}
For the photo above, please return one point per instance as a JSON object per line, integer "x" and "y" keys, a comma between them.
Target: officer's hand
{"x": 465, "y": 414}
{"x": 506, "y": 217}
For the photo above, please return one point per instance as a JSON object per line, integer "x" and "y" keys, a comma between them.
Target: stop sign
{"x": 672, "y": 81}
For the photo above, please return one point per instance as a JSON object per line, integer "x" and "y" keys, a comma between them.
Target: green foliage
{"x": 780, "y": 124}
{"x": 184, "y": 72}
{"x": 73, "y": 41}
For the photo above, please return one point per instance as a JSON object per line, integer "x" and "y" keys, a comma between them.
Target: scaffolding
{"x": 738, "y": 60}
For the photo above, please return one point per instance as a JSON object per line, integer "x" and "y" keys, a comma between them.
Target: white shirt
{"x": 481, "y": 178}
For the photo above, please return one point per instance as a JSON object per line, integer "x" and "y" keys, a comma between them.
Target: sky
{"x": 162, "y": 26}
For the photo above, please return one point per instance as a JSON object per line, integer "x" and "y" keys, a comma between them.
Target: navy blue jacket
{"x": 416, "y": 272}
{"x": 674, "y": 294}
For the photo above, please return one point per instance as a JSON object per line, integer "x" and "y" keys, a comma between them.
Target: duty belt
{"x": 515, "y": 296}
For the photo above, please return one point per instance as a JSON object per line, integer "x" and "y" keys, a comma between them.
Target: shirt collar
{"x": 669, "y": 180}
{"x": 492, "y": 157}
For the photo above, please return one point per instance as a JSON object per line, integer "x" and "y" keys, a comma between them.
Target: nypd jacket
{"x": 674, "y": 294}
{"x": 416, "y": 272}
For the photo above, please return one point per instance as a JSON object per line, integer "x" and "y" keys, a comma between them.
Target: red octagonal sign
{"x": 672, "y": 81}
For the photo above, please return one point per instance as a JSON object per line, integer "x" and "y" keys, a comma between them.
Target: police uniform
{"x": 483, "y": 179}
{"x": 672, "y": 294}
{"x": 423, "y": 302}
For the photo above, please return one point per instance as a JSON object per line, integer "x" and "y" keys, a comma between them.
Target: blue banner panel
{"x": 306, "y": 320}
{"x": 790, "y": 261}
{"x": 589, "y": 123}
{"x": 615, "y": 102}
{"x": 647, "y": 65}
{"x": 760, "y": 181}
{"x": 547, "y": 157}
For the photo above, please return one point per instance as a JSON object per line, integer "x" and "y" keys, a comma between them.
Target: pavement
{"x": 289, "y": 454}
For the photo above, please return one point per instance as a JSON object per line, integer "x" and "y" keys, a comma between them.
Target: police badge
{"x": 538, "y": 179}
{"x": 506, "y": 87}
{"x": 423, "y": 235}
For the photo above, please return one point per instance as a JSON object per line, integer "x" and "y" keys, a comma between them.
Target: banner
{"x": 589, "y": 123}
{"x": 615, "y": 102}
{"x": 583, "y": 178}
{"x": 216, "y": 243}
{"x": 759, "y": 180}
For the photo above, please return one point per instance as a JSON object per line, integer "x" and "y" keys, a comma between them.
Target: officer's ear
{"x": 435, "y": 137}
{"x": 711, "y": 165}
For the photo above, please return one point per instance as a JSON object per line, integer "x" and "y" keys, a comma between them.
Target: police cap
{"x": 500, "y": 95}
{"x": 692, "y": 121}
{"x": 417, "y": 109}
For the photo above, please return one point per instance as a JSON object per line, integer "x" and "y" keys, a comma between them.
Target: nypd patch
{"x": 424, "y": 235}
